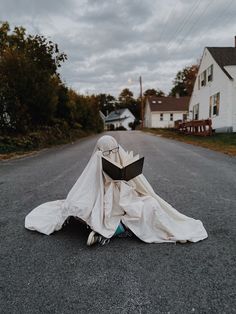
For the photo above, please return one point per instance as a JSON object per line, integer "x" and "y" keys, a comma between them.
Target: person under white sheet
{"x": 109, "y": 207}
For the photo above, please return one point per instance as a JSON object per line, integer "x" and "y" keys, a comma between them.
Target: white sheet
{"x": 102, "y": 203}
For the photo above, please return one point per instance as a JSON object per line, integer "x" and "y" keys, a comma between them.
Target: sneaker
{"x": 96, "y": 238}
{"x": 126, "y": 234}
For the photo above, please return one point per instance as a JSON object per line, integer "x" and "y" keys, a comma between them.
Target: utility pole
{"x": 141, "y": 97}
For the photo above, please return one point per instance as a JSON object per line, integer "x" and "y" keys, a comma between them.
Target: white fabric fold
{"x": 102, "y": 203}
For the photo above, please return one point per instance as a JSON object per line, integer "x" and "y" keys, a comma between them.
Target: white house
{"x": 103, "y": 117}
{"x": 118, "y": 118}
{"x": 162, "y": 112}
{"x": 214, "y": 93}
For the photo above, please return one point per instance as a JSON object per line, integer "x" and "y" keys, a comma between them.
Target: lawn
{"x": 222, "y": 142}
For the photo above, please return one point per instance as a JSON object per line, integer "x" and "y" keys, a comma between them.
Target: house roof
{"x": 116, "y": 115}
{"x": 102, "y": 115}
{"x": 224, "y": 56}
{"x": 168, "y": 103}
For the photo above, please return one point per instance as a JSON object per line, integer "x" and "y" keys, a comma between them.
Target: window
{"x": 210, "y": 73}
{"x": 198, "y": 81}
{"x": 161, "y": 116}
{"x": 203, "y": 78}
{"x": 210, "y": 107}
{"x": 184, "y": 116}
{"x": 171, "y": 116}
{"x": 214, "y": 105}
{"x": 196, "y": 112}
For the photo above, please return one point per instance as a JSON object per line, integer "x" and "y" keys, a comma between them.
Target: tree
{"x": 29, "y": 81}
{"x": 64, "y": 110}
{"x": 154, "y": 92}
{"x": 184, "y": 81}
{"x": 126, "y": 97}
{"x": 126, "y": 100}
{"x": 86, "y": 111}
{"x": 106, "y": 103}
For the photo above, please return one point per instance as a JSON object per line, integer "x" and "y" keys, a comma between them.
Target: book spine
{"x": 123, "y": 173}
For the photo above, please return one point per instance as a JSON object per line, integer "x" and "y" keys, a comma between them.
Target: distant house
{"x": 162, "y": 112}
{"x": 103, "y": 117}
{"x": 214, "y": 93}
{"x": 119, "y": 118}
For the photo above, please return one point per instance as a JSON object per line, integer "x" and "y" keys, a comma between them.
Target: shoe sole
{"x": 90, "y": 240}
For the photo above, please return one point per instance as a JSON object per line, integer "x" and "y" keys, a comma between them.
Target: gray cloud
{"x": 111, "y": 42}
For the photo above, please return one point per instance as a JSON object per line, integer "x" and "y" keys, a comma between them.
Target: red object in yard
{"x": 195, "y": 127}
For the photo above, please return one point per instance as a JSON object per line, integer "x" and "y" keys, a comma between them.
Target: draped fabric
{"x": 103, "y": 203}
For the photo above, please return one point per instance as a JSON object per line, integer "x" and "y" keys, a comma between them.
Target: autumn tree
{"x": 184, "y": 81}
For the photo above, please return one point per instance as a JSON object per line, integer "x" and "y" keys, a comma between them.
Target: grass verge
{"x": 222, "y": 142}
{"x": 20, "y": 145}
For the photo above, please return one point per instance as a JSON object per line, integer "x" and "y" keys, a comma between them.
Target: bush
{"x": 44, "y": 137}
{"x": 121, "y": 128}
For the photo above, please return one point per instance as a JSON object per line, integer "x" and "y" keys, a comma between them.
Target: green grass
{"x": 223, "y": 142}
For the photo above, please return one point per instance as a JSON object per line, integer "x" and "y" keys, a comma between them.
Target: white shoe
{"x": 96, "y": 238}
{"x": 92, "y": 238}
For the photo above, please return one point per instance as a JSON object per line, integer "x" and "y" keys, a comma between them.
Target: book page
{"x": 128, "y": 156}
{"x": 113, "y": 162}
{"x": 130, "y": 159}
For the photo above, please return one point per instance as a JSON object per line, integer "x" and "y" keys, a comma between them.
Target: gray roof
{"x": 115, "y": 115}
{"x": 224, "y": 56}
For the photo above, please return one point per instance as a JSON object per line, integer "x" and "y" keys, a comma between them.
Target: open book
{"x": 133, "y": 166}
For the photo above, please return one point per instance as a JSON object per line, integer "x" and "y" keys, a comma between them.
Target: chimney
{"x": 177, "y": 95}
{"x": 234, "y": 41}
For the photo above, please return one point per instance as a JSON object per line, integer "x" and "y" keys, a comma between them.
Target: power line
{"x": 166, "y": 20}
{"x": 196, "y": 22}
{"x": 224, "y": 15}
{"x": 184, "y": 23}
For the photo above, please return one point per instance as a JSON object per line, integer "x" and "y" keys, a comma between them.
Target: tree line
{"x": 32, "y": 94}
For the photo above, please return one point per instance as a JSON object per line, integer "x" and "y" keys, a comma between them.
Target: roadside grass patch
{"x": 18, "y": 145}
{"x": 222, "y": 142}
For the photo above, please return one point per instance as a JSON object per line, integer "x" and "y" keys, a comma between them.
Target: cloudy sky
{"x": 110, "y": 43}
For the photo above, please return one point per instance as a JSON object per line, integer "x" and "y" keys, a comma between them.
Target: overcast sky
{"x": 110, "y": 43}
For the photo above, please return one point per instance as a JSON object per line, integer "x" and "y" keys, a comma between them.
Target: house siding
{"x": 130, "y": 118}
{"x": 220, "y": 84}
{"x": 152, "y": 118}
{"x": 125, "y": 123}
{"x": 147, "y": 116}
{"x": 166, "y": 122}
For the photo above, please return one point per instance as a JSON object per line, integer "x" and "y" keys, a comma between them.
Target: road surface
{"x": 60, "y": 274}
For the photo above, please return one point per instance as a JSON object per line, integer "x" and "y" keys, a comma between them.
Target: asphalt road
{"x": 60, "y": 274}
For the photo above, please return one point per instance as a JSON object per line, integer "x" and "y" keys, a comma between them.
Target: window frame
{"x": 196, "y": 111}
{"x": 203, "y": 78}
{"x": 214, "y": 105}
{"x": 198, "y": 82}
{"x": 210, "y": 73}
